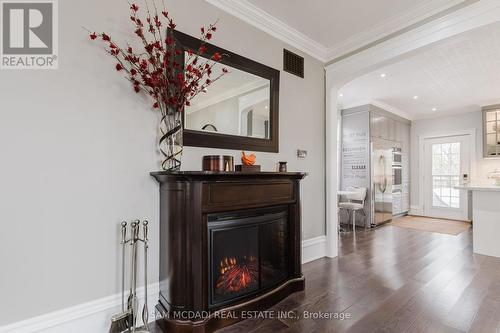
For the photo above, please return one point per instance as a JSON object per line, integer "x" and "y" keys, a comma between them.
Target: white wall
{"x": 223, "y": 115}
{"x": 77, "y": 146}
{"x": 444, "y": 125}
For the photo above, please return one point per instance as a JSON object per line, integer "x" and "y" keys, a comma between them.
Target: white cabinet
{"x": 405, "y": 151}
{"x": 491, "y": 131}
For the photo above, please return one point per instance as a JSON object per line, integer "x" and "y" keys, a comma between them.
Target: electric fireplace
{"x": 229, "y": 241}
{"x": 247, "y": 253}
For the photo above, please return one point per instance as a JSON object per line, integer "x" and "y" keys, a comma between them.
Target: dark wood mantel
{"x": 214, "y": 175}
{"x": 187, "y": 198}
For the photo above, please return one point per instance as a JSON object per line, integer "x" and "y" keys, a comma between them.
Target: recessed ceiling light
{"x": 383, "y": 75}
{"x": 415, "y": 97}
{"x": 434, "y": 109}
{"x": 341, "y": 95}
{"x": 265, "y": 107}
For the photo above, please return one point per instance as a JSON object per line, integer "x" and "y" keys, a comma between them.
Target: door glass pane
{"x": 491, "y": 116}
{"x": 491, "y": 139}
{"x": 490, "y": 127}
{"x": 445, "y": 175}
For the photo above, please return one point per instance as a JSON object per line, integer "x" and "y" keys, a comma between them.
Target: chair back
{"x": 360, "y": 194}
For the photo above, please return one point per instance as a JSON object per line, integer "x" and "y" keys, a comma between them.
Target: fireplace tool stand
{"x": 126, "y": 321}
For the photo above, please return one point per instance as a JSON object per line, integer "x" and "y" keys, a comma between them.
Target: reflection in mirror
{"x": 236, "y": 104}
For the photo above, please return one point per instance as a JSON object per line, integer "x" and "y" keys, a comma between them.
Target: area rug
{"x": 449, "y": 227}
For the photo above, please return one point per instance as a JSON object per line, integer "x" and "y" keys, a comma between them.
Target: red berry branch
{"x": 156, "y": 70}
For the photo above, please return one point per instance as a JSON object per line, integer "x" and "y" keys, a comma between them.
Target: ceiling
{"x": 328, "y": 29}
{"x": 457, "y": 75}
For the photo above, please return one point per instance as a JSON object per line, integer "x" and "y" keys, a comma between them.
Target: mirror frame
{"x": 226, "y": 141}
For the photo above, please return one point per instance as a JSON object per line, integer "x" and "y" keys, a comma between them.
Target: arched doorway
{"x": 340, "y": 72}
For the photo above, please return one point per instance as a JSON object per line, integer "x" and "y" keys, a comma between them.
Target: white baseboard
{"x": 94, "y": 316}
{"x": 416, "y": 210}
{"x": 313, "y": 249}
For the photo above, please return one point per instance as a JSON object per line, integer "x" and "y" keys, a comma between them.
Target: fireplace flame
{"x": 236, "y": 276}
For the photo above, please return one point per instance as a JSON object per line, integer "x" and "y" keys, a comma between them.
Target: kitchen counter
{"x": 478, "y": 187}
{"x": 486, "y": 218}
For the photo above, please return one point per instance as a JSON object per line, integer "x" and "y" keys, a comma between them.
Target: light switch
{"x": 301, "y": 153}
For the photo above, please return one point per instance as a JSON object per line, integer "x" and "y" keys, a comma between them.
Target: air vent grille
{"x": 293, "y": 63}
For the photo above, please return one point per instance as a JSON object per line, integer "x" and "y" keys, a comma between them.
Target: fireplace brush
{"x": 127, "y": 319}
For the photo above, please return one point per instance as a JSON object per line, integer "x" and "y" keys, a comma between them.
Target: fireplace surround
{"x": 229, "y": 242}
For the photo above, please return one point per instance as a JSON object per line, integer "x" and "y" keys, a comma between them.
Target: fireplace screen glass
{"x": 247, "y": 254}
{"x": 236, "y": 260}
{"x": 273, "y": 252}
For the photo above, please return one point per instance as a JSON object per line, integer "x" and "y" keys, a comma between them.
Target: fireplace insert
{"x": 247, "y": 254}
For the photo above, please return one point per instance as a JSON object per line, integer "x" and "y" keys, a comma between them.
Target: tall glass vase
{"x": 170, "y": 142}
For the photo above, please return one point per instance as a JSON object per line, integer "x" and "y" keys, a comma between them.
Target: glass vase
{"x": 170, "y": 143}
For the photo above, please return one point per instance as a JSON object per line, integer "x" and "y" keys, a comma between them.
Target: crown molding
{"x": 392, "y": 109}
{"x": 475, "y": 15}
{"x": 255, "y": 16}
{"x": 260, "y": 19}
{"x": 379, "y": 104}
{"x": 397, "y": 23}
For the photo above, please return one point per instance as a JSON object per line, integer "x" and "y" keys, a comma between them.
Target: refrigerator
{"x": 375, "y": 154}
{"x": 381, "y": 181}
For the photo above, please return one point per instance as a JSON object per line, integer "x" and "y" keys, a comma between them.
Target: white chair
{"x": 355, "y": 202}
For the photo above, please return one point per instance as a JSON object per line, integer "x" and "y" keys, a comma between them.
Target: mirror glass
{"x": 236, "y": 104}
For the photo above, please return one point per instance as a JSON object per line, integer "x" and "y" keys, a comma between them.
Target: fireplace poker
{"x": 133, "y": 302}
{"x": 145, "y": 310}
{"x": 122, "y": 321}
{"x": 124, "y": 245}
{"x": 127, "y": 320}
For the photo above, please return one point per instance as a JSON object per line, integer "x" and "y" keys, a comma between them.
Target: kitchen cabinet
{"x": 405, "y": 151}
{"x": 491, "y": 131}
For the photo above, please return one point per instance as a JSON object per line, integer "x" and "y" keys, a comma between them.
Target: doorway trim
{"x": 471, "y": 133}
{"x": 339, "y": 73}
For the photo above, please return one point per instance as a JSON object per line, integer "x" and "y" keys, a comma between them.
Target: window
{"x": 445, "y": 175}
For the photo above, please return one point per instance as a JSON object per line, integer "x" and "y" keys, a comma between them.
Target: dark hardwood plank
{"x": 487, "y": 319}
{"x": 394, "y": 280}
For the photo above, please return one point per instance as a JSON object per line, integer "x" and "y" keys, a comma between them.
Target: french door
{"x": 446, "y": 160}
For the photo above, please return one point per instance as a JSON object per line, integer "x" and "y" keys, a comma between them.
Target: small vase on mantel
{"x": 170, "y": 142}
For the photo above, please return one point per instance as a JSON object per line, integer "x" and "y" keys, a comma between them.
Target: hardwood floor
{"x": 395, "y": 280}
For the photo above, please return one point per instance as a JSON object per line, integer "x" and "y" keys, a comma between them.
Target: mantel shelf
{"x": 159, "y": 175}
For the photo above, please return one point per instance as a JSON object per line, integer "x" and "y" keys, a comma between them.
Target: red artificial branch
{"x": 156, "y": 71}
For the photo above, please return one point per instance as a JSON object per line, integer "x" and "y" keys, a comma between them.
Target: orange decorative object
{"x": 247, "y": 160}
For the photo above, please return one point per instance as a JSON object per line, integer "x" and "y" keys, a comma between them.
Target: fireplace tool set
{"x": 126, "y": 321}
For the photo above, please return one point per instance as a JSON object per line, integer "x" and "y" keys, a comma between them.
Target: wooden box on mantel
{"x": 247, "y": 168}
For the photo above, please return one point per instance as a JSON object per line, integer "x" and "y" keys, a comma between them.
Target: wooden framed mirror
{"x": 239, "y": 111}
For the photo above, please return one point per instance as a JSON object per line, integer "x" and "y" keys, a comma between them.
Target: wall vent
{"x": 293, "y": 63}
